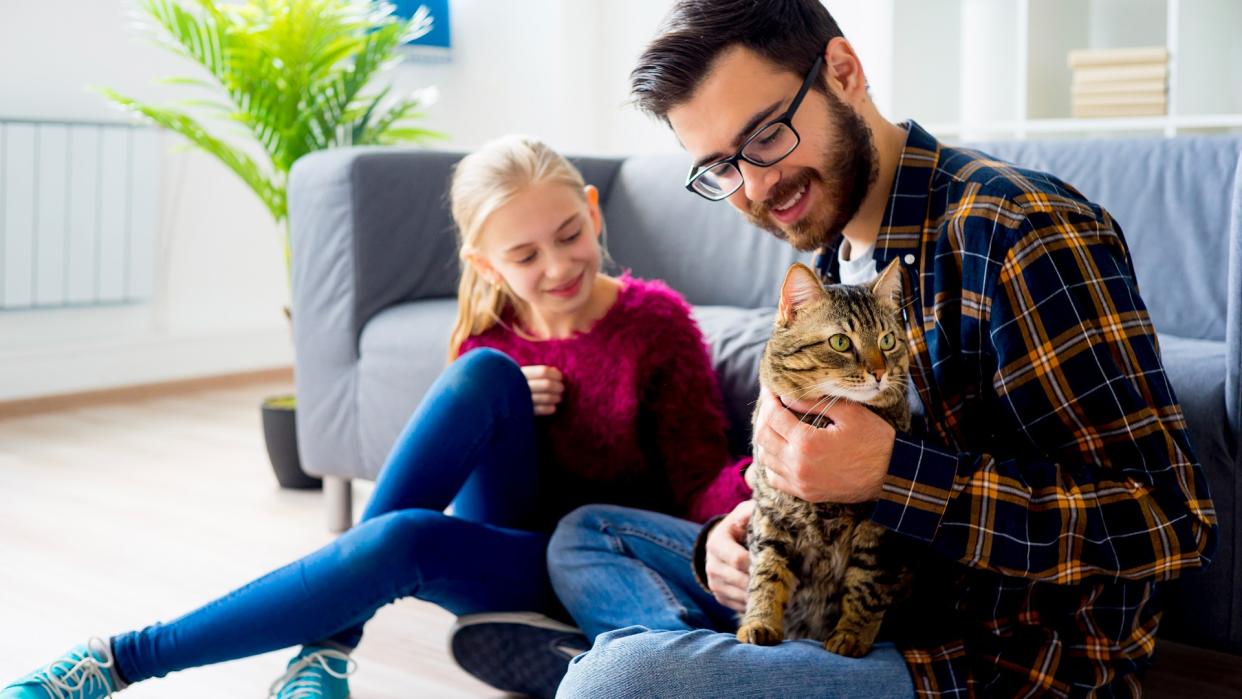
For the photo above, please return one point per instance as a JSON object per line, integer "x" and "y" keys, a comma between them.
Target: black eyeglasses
{"x": 765, "y": 147}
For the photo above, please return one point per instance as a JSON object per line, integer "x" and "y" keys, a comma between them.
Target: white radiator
{"x": 78, "y": 212}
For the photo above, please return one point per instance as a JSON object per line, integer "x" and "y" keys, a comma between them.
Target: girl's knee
{"x": 391, "y": 537}
{"x": 486, "y": 372}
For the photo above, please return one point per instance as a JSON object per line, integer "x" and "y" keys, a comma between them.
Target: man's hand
{"x": 728, "y": 561}
{"x": 845, "y": 461}
{"x": 546, "y": 387}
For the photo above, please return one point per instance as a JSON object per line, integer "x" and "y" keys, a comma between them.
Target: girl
{"x": 568, "y": 387}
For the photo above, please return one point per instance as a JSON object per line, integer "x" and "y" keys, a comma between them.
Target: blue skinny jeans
{"x": 470, "y": 443}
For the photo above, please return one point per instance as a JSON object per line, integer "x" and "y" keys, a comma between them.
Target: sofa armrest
{"x": 1233, "y": 330}
{"x": 369, "y": 228}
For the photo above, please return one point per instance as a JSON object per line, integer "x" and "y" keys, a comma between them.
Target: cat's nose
{"x": 878, "y": 374}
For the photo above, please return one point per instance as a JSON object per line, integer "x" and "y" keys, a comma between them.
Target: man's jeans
{"x": 625, "y": 575}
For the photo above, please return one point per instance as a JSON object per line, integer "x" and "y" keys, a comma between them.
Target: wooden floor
{"x": 114, "y": 516}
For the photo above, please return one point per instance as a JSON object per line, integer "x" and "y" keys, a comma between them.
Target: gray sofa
{"x": 374, "y": 273}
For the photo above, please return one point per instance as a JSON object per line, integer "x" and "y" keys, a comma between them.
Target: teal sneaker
{"x": 315, "y": 673}
{"x": 85, "y": 672}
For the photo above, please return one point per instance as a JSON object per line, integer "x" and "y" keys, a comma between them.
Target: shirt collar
{"x": 901, "y": 231}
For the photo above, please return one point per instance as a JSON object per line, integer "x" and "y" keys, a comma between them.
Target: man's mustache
{"x": 781, "y": 192}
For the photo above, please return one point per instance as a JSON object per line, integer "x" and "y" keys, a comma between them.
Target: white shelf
{"x": 1178, "y": 124}
{"x": 1006, "y": 74}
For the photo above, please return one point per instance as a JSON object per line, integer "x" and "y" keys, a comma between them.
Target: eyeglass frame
{"x": 786, "y": 118}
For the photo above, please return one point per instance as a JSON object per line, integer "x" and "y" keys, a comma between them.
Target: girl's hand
{"x": 546, "y": 387}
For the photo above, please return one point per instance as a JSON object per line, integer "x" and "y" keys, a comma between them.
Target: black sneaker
{"x": 519, "y": 652}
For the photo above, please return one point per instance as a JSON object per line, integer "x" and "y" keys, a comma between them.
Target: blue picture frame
{"x": 440, "y": 36}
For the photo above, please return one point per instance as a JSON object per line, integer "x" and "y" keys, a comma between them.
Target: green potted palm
{"x": 293, "y": 75}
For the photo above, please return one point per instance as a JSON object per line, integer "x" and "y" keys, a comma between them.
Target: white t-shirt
{"x": 860, "y": 268}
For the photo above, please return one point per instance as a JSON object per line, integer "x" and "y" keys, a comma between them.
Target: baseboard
{"x": 124, "y": 394}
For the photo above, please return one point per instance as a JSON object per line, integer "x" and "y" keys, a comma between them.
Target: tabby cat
{"x": 823, "y": 571}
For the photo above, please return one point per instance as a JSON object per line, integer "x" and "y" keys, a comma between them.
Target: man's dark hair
{"x": 790, "y": 33}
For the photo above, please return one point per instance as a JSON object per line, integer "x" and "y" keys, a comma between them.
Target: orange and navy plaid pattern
{"x": 1054, "y": 481}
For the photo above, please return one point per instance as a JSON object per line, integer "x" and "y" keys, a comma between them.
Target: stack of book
{"x": 1120, "y": 82}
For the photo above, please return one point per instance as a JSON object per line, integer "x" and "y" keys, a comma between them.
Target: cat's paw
{"x": 760, "y": 634}
{"x": 847, "y": 643}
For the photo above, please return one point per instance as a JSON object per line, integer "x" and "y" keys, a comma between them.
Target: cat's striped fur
{"x": 823, "y": 571}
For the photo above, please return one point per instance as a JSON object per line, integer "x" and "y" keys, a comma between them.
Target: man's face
{"x": 810, "y": 196}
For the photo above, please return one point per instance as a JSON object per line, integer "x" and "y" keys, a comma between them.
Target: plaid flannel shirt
{"x": 1054, "y": 481}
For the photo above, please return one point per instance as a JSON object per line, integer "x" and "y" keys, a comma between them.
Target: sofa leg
{"x": 338, "y": 498}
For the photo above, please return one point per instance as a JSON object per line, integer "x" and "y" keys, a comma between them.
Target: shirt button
{"x": 909, "y": 259}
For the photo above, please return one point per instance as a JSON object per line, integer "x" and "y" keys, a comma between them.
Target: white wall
{"x": 220, "y": 285}
{"x": 552, "y": 68}
{"x": 556, "y": 69}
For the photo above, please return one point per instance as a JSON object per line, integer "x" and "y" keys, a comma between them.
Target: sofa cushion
{"x": 705, "y": 250}
{"x": 402, "y": 351}
{"x": 1199, "y": 604}
{"x": 736, "y": 337}
{"x": 1158, "y": 192}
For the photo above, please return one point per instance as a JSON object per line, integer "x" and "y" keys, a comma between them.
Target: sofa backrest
{"x": 1173, "y": 200}
{"x": 706, "y": 250}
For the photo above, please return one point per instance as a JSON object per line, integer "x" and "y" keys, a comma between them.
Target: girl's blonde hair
{"x": 484, "y": 181}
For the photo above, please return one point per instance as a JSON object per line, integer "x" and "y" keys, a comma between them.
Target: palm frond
{"x": 269, "y": 191}
{"x": 291, "y": 74}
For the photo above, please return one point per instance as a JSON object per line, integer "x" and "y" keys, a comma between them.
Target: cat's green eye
{"x": 887, "y": 341}
{"x": 839, "y": 342}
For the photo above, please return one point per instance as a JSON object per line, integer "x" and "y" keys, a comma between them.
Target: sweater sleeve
{"x": 684, "y": 426}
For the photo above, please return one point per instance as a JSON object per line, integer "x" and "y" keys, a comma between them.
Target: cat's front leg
{"x": 873, "y": 581}
{"x": 771, "y": 582}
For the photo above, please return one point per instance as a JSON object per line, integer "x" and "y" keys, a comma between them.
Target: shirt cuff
{"x": 700, "y": 552}
{"x": 917, "y": 489}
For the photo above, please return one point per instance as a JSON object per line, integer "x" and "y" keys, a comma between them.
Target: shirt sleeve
{"x": 1088, "y": 468}
{"x": 684, "y": 426}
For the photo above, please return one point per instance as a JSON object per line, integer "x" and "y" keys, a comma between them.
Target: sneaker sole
{"x": 519, "y": 652}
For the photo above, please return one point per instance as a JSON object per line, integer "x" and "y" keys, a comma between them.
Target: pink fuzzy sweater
{"x": 641, "y": 422}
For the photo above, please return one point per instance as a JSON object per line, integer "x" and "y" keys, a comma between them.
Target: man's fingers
{"x": 728, "y": 585}
{"x": 768, "y": 439}
{"x": 782, "y": 422}
{"x": 732, "y": 598}
{"x": 740, "y": 518}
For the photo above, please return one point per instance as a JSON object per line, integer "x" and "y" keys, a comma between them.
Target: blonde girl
{"x": 566, "y": 387}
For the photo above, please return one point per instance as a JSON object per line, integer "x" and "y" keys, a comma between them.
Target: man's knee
{"x": 622, "y": 664}
{"x": 583, "y": 528}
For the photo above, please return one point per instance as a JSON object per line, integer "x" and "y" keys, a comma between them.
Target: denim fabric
{"x": 471, "y": 442}
{"x": 625, "y": 576}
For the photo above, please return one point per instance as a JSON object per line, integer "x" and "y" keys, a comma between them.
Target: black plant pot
{"x": 280, "y": 433}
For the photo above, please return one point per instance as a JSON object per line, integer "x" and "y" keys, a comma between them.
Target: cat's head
{"x": 838, "y": 340}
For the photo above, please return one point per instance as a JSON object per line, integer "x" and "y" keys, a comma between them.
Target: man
{"x": 1053, "y": 487}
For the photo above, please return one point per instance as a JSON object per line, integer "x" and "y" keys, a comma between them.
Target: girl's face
{"x": 544, "y": 243}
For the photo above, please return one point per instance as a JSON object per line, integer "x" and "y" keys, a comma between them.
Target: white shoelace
{"x": 310, "y": 686}
{"x": 74, "y": 682}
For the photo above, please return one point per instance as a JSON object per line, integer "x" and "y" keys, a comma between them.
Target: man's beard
{"x": 849, "y": 168}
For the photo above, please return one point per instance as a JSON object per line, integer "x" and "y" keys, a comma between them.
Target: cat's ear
{"x": 887, "y": 287}
{"x": 802, "y": 286}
